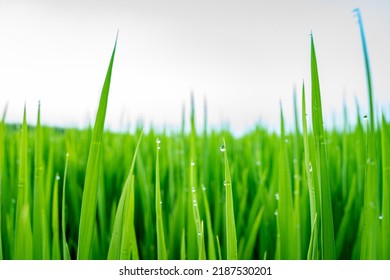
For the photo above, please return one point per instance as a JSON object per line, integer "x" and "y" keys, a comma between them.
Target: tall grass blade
{"x": 161, "y": 247}
{"x": 385, "y": 215}
{"x": 2, "y": 169}
{"x": 89, "y": 200}
{"x": 56, "y": 251}
{"x": 65, "y": 247}
{"x": 287, "y": 236}
{"x": 231, "y": 238}
{"x": 370, "y": 241}
{"x": 321, "y": 164}
{"x": 120, "y": 237}
{"x": 40, "y": 222}
{"x": 23, "y": 233}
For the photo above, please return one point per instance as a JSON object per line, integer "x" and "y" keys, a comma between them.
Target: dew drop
{"x": 158, "y": 141}
{"x": 203, "y": 188}
{"x": 277, "y": 196}
{"x": 199, "y": 234}
{"x": 222, "y": 148}
{"x": 381, "y": 217}
{"x": 193, "y": 189}
{"x": 58, "y": 177}
{"x": 286, "y": 140}
{"x": 258, "y": 163}
{"x": 192, "y": 163}
{"x": 160, "y": 202}
{"x": 310, "y": 167}
{"x": 225, "y": 183}
{"x": 276, "y": 212}
{"x": 365, "y": 117}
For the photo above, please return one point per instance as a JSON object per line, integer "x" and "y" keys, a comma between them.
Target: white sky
{"x": 244, "y": 56}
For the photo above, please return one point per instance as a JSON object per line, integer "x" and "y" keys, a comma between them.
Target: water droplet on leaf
{"x": 222, "y": 148}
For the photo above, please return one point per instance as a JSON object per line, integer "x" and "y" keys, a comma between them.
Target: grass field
{"x": 302, "y": 193}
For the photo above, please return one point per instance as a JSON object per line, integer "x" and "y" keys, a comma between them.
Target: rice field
{"x": 302, "y": 193}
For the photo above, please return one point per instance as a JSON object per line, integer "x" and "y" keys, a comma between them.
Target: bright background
{"x": 243, "y": 56}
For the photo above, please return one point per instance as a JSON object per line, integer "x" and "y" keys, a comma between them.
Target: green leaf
{"x": 321, "y": 164}
{"x": 89, "y": 201}
{"x": 161, "y": 246}
{"x": 231, "y": 238}
{"x": 23, "y": 233}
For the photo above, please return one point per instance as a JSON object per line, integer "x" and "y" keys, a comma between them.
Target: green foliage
{"x": 90, "y": 191}
{"x": 310, "y": 193}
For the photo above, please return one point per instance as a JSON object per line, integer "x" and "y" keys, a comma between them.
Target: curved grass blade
{"x": 321, "y": 164}
{"x": 370, "y": 241}
{"x": 89, "y": 200}
{"x": 126, "y": 203}
{"x": 231, "y": 238}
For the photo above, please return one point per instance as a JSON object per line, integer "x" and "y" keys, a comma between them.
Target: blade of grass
{"x": 370, "y": 241}
{"x": 126, "y": 204}
{"x": 183, "y": 246}
{"x": 321, "y": 164}
{"x": 89, "y": 200}
{"x": 385, "y": 215}
{"x": 2, "y": 164}
{"x": 56, "y": 251}
{"x": 23, "y": 233}
{"x": 161, "y": 247}
{"x": 65, "y": 247}
{"x": 286, "y": 230}
{"x": 231, "y": 238}
{"x": 210, "y": 233}
{"x": 313, "y": 251}
{"x": 40, "y": 224}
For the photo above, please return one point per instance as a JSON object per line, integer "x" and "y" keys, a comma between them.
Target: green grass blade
{"x": 231, "y": 238}
{"x": 126, "y": 205}
{"x": 128, "y": 221}
{"x": 89, "y": 200}
{"x": 286, "y": 231}
{"x": 385, "y": 215}
{"x": 65, "y": 247}
{"x": 218, "y": 248}
{"x": 210, "y": 233}
{"x": 370, "y": 241}
{"x": 23, "y": 233}
{"x": 321, "y": 164}
{"x": 312, "y": 252}
{"x": 251, "y": 240}
{"x": 183, "y": 246}
{"x": 56, "y": 251}
{"x": 368, "y": 72}
{"x": 161, "y": 247}
{"x": 2, "y": 169}
{"x": 40, "y": 223}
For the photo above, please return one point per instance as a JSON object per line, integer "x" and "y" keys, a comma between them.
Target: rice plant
{"x": 91, "y": 193}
